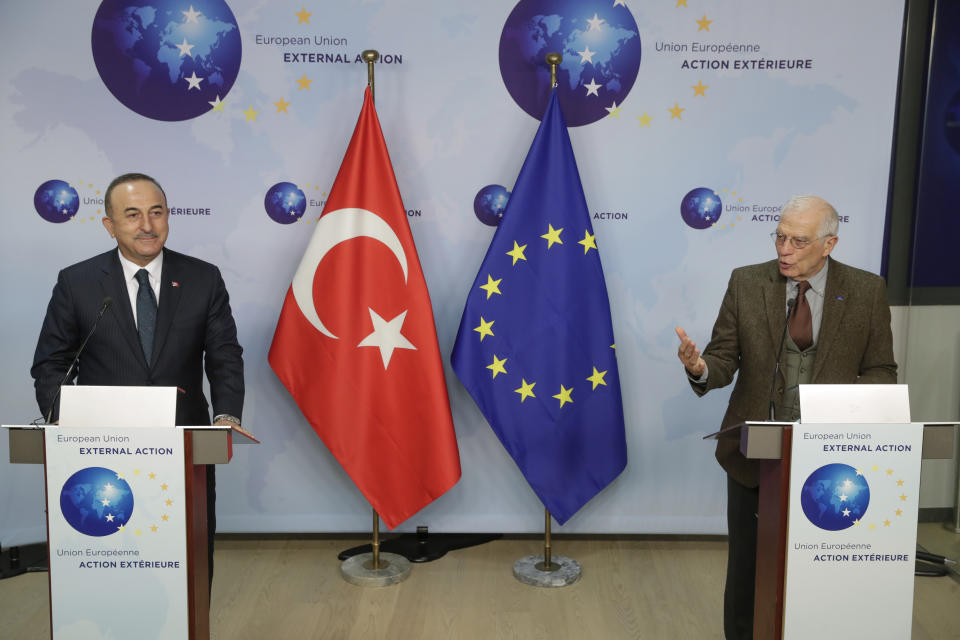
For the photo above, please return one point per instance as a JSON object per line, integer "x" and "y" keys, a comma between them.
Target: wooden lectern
{"x": 769, "y": 443}
{"x": 202, "y": 445}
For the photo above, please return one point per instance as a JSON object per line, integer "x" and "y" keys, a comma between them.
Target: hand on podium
{"x": 234, "y": 425}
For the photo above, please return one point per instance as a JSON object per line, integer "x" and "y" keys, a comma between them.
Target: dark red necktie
{"x": 801, "y": 320}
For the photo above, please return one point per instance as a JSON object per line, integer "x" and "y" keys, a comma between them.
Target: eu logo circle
{"x": 835, "y": 496}
{"x": 96, "y": 502}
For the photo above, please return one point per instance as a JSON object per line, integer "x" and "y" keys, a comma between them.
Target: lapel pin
{"x": 838, "y": 297}
{"x": 175, "y": 284}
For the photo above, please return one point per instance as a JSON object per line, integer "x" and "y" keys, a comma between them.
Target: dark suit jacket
{"x": 195, "y": 331}
{"x": 855, "y": 344}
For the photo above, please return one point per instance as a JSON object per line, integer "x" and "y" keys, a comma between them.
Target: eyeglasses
{"x": 795, "y": 242}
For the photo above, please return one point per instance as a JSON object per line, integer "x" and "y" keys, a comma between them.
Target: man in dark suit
{"x": 170, "y": 320}
{"x": 839, "y": 334}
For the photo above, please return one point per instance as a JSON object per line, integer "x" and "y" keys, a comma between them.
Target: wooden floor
{"x": 650, "y": 589}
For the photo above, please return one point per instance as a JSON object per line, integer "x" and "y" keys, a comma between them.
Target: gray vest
{"x": 797, "y": 369}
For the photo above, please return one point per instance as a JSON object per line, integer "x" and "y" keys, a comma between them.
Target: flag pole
{"x": 370, "y": 56}
{"x": 374, "y": 569}
{"x": 547, "y": 564}
{"x": 553, "y": 59}
{"x": 375, "y": 562}
{"x": 542, "y": 571}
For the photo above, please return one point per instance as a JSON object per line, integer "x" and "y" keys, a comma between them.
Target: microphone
{"x": 776, "y": 370}
{"x": 103, "y": 309}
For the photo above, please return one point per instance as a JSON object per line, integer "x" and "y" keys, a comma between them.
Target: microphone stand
{"x": 776, "y": 370}
{"x": 103, "y": 309}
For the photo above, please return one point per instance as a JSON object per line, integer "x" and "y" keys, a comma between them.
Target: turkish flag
{"x": 356, "y": 344}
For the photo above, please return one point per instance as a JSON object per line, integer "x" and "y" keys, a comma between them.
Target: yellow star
{"x": 597, "y": 378}
{"x": 681, "y": 3}
{"x": 169, "y": 502}
{"x": 859, "y": 472}
{"x": 282, "y": 105}
{"x": 564, "y": 395}
{"x": 525, "y": 390}
{"x": 875, "y": 467}
{"x": 492, "y": 286}
{"x": 136, "y": 472}
{"x": 497, "y": 366}
{"x": 165, "y": 517}
{"x": 699, "y": 89}
{"x": 139, "y": 532}
{"x": 120, "y": 528}
{"x": 152, "y": 476}
{"x": 899, "y": 483}
{"x": 903, "y": 497}
{"x": 250, "y": 113}
{"x": 304, "y": 83}
{"x": 303, "y": 16}
{"x": 217, "y": 104}
{"x": 588, "y": 242}
{"x": 613, "y": 111}
{"x": 552, "y": 236}
{"x": 164, "y": 486}
{"x": 645, "y": 120}
{"x": 886, "y": 523}
{"x": 704, "y": 24}
{"x": 153, "y": 528}
{"x": 889, "y": 472}
{"x": 872, "y": 526}
{"x": 517, "y": 252}
{"x": 856, "y": 523}
{"x": 898, "y": 512}
{"x": 484, "y": 328}
{"x": 675, "y": 111}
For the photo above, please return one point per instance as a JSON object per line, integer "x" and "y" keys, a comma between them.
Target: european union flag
{"x": 535, "y": 347}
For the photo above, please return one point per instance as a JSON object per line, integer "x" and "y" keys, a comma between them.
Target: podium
{"x": 126, "y": 512}
{"x": 770, "y": 444}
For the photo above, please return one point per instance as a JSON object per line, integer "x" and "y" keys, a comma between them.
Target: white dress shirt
{"x": 130, "y": 269}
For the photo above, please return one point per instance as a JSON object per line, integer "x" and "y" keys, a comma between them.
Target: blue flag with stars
{"x": 535, "y": 347}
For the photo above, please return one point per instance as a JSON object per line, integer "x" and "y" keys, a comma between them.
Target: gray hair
{"x": 829, "y": 225}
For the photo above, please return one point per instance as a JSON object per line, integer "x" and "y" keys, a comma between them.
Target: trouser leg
{"x": 741, "y": 560}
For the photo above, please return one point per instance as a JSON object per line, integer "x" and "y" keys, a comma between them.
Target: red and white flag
{"x": 356, "y": 344}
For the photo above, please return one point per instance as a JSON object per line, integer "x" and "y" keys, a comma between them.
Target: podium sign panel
{"x": 852, "y": 531}
{"x": 117, "y": 520}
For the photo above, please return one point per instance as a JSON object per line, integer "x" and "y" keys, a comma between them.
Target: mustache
{"x": 146, "y": 236}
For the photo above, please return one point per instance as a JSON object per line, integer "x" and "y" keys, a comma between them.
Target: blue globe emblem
{"x": 56, "y": 201}
{"x": 600, "y": 44}
{"x": 834, "y": 496}
{"x": 951, "y": 123}
{"x": 701, "y": 208}
{"x": 96, "y": 502}
{"x": 285, "y": 202}
{"x": 167, "y": 59}
{"x": 489, "y": 203}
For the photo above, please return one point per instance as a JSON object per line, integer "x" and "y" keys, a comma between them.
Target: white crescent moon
{"x": 332, "y": 229}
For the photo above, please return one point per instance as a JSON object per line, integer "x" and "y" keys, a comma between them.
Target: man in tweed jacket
{"x": 852, "y": 343}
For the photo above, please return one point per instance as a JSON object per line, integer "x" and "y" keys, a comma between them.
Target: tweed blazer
{"x": 855, "y": 344}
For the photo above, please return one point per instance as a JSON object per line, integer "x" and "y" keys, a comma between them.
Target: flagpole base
{"x": 358, "y": 570}
{"x": 529, "y": 570}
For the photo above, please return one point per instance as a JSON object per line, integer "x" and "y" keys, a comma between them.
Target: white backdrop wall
{"x": 755, "y": 136}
